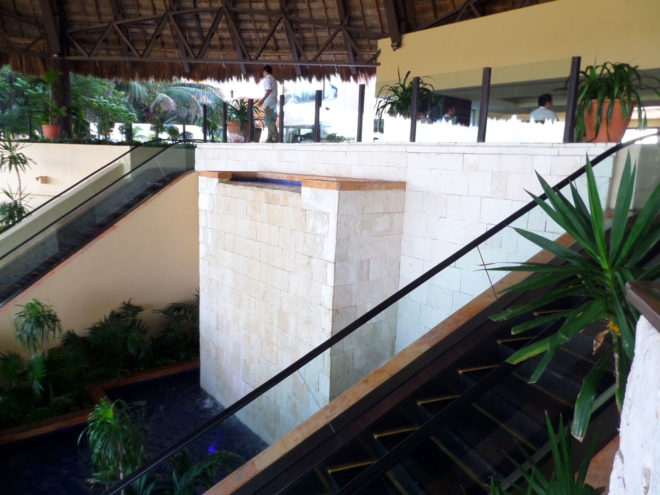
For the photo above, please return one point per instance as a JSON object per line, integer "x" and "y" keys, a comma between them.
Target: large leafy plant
{"x": 596, "y": 274}
{"x": 607, "y": 83}
{"x": 398, "y": 98}
{"x": 36, "y": 325}
{"x": 238, "y": 112}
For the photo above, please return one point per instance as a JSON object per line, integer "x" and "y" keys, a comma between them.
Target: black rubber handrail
{"x": 346, "y": 331}
{"x": 101, "y": 168}
{"x": 82, "y": 203}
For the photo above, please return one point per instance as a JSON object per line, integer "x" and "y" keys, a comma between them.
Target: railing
{"x": 482, "y": 121}
{"x": 471, "y": 255}
{"x": 51, "y": 238}
{"x": 645, "y": 296}
{"x": 84, "y": 179}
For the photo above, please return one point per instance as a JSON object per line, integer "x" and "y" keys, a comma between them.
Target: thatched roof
{"x": 201, "y": 39}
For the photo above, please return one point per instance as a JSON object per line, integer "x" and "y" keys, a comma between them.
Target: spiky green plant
{"x": 606, "y": 83}
{"x": 397, "y": 98}
{"x": 564, "y": 480}
{"x": 13, "y": 160}
{"x": 597, "y": 275}
{"x": 13, "y": 210}
{"x": 36, "y": 325}
{"x": 115, "y": 443}
{"x": 188, "y": 476}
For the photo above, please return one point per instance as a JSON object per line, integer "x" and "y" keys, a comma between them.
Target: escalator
{"x": 441, "y": 417}
{"x": 69, "y": 221}
{"x": 458, "y": 427}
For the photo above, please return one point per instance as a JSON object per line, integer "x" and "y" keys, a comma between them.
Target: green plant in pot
{"x": 237, "y": 121}
{"x": 396, "y": 99}
{"x": 608, "y": 95}
{"x": 596, "y": 275}
{"x": 13, "y": 160}
{"x": 53, "y": 111}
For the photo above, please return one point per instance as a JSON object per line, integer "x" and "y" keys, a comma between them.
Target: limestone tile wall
{"x": 369, "y": 227}
{"x": 454, "y": 193}
{"x": 266, "y": 268}
{"x": 282, "y": 268}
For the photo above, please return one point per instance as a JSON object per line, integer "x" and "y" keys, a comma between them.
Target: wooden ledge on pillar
{"x": 311, "y": 181}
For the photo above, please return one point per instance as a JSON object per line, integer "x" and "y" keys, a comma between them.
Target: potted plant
{"x": 396, "y": 99}
{"x": 597, "y": 276}
{"x": 53, "y": 110}
{"x": 237, "y": 120}
{"x": 607, "y": 96}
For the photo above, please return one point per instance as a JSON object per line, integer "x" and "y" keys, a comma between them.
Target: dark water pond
{"x": 172, "y": 407}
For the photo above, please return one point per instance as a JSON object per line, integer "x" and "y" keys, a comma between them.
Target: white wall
{"x": 636, "y": 469}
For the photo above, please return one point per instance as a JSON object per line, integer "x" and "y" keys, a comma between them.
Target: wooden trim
{"x": 312, "y": 181}
{"x": 645, "y": 296}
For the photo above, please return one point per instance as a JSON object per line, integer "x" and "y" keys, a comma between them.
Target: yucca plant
{"x": 36, "y": 324}
{"x": 597, "y": 275}
{"x": 564, "y": 479}
{"x": 606, "y": 83}
{"x": 13, "y": 210}
{"x": 115, "y": 443}
{"x": 397, "y": 98}
{"x": 13, "y": 160}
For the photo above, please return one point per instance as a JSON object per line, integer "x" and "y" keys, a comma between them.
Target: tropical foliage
{"x": 396, "y": 99}
{"x": 116, "y": 345}
{"x": 564, "y": 479}
{"x": 238, "y": 112}
{"x": 596, "y": 275}
{"x": 117, "y": 446}
{"x": 607, "y": 83}
{"x": 13, "y": 160}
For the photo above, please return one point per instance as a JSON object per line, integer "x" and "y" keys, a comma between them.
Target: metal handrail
{"x": 101, "y": 168}
{"x": 79, "y": 205}
{"x": 349, "y": 329}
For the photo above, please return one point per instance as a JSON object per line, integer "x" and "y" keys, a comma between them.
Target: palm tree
{"x": 174, "y": 101}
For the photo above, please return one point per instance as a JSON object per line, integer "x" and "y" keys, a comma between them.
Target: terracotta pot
{"x": 236, "y": 133}
{"x": 607, "y": 133}
{"x": 51, "y": 131}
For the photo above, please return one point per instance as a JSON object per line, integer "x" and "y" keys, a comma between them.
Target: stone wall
{"x": 636, "y": 468}
{"x": 454, "y": 193}
{"x": 282, "y": 268}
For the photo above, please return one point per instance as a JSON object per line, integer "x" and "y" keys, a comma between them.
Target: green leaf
{"x": 597, "y": 218}
{"x": 542, "y": 280}
{"x": 641, "y": 225}
{"x": 546, "y": 344}
{"x": 627, "y": 336}
{"x": 537, "y": 322}
{"x": 585, "y": 399}
{"x": 550, "y": 296}
{"x": 621, "y": 209}
{"x": 553, "y": 247}
{"x": 543, "y": 364}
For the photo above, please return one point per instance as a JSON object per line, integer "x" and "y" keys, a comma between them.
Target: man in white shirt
{"x": 269, "y": 101}
{"x": 544, "y": 111}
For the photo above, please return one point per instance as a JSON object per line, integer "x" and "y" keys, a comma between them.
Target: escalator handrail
{"x": 97, "y": 193}
{"x": 350, "y": 328}
{"x": 91, "y": 174}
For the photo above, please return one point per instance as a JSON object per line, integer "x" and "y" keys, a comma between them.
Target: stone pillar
{"x": 636, "y": 469}
{"x": 284, "y": 267}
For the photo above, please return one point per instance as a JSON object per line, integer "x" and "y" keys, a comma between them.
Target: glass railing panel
{"x": 342, "y": 364}
{"x": 25, "y": 262}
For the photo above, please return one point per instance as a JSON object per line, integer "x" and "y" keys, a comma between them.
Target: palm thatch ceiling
{"x": 201, "y": 39}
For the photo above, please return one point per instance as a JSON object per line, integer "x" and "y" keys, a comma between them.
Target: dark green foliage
{"x": 610, "y": 81}
{"x": 36, "y": 324}
{"x": 187, "y": 476}
{"x": 238, "y": 112}
{"x": 564, "y": 479}
{"x": 11, "y": 211}
{"x": 598, "y": 276}
{"x": 179, "y": 340}
{"x": 397, "y": 98}
{"x": 116, "y": 345}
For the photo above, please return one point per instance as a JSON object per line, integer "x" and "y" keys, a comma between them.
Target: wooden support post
{"x": 224, "y": 121}
{"x": 250, "y": 122}
{"x": 204, "y": 122}
{"x": 61, "y": 95}
{"x": 183, "y": 132}
{"x": 414, "y": 111}
{"x": 129, "y": 132}
{"x": 361, "y": 90}
{"x": 318, "y": 99}
{"x": 483, "y": 108}
{"x": 280, "y": 134}
{"x": 571, "y": 102}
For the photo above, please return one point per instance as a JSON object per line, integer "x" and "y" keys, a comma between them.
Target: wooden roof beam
{"x": 342, "y": 8}
{"x": 239, "y": 46}
{"x": 393, "y": 23}
{"x": 52, "y": 34}
{"x": 182, "y": 43}
{"x": 291, "y": 38}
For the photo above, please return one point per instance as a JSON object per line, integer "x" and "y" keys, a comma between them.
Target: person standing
{"x": 544, "y": 111}
{"x": 269, "y": 101}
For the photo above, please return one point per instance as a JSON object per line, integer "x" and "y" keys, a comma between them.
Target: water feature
{"x": 171, "y": 407}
